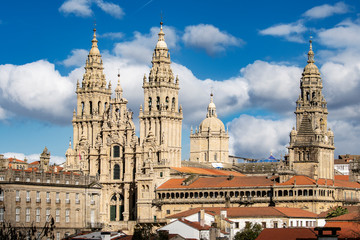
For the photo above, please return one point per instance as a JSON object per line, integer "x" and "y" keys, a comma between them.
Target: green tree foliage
{"x": 7, "y": 231}
{"x": 250, "y": 232}
{"x": 338, "y": 211}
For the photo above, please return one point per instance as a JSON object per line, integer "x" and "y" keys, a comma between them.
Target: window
{"x": 58, "y": 181}
{"x": 275, "y": 224}
{"x": 27, "y": 219}
{"x": 27, "y": 196}
{"x": 92, "y": 200}
{"x": 167, "y": 211}
{"x": 38, "y": 215}
{"x": 291, "y": 223}
{"x": 263, "y": 225}
{"x": 57, "y": 197}
{"x": 1, "y": 195}
{"x": 116, "y": 171}
{"x": 116, "y": 151}
{"x": 1, "y": 214}
{"x": 161, "y": 174}
{"x": 38, "y": 196}
{"x": 48, "y": 197}
{"x": 48, "y": 210}
{"x": 17, "y": 214}
{"x": 67, "y": 215}
{"x": 17, "y": 199}
{"x": 57, "y": 215}
{"x": 77, "y": 200}
{"x": 38, "y": 180}
{"x": 236, "y": 225}
{"x": 47, "y": 180}
{"x": 67, "y": 200}
{"x": 158, "y": 103}
{"x": 28, "y": 180}
{"x": 58, "y": 236}
{"x": 67, "y": 182}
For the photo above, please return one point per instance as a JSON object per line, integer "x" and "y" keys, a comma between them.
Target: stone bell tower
{"x": 311, "y": 149}
{"x": 161, "y": 114}
{"x": 93, "y": 100}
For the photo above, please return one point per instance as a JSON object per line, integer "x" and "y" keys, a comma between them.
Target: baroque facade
{"x": 130, "y": 180}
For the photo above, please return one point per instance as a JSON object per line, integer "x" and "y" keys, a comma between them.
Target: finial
{"x": 161, "y": 22}
{"x": 118, "y": 76}
{"x": 70, "y": 143}
{"x": 310, "y": 53}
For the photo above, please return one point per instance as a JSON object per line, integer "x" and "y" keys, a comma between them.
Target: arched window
{"x": 90, "y": 106}
{"x": 82, "y": 108}
{"x": 99, "y": 106}
{"x": 150, "y": 103}
{"x": 158, "y": 103}
{"x": 116, "y": 171}
{"x": 116, "y": 206}
{"x": 167, "y": 103}
{"x": 116, "y": 152}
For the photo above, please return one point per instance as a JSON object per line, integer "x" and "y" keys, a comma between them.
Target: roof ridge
{"x": 280, "y": 211}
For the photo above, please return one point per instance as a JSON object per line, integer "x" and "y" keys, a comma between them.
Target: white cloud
{"x": 36, "y": 90}
{"x": 209, "y": 38}
{"x": 291, "y": 31}
{"x": 346, "y": 136}
{"x": 110, "y": 8}
{"x": 256, "y": 137}
{"x": 82, "y": 8}
{"x": 344, "y": 35}
{"x": 77, "y": 58}
{"x": 33, "y": 157}
{"x": 326, "y": 10}
{"x": 3, "y": 114}
{"x": 140, "y": 48}
{"x": 111, "y": 35}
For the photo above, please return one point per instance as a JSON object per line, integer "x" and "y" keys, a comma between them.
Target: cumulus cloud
{"x": 3, "y": 114}
{"x": 77, "y": 58}
{"x": 140, "y": 48}
{"x": 209, "y": 38}
{"x": 36, "y": 90}
{"x": 290, "y": 31}
{"x": 33, "y": 157}
{"x": 82, "y": 8}
{"x": 111, "y": 35}
{"x": 326, "y": 10}
{"x": 256, "y": 137}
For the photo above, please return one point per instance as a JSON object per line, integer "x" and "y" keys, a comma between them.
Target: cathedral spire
{"x": 211, "y": 107}
{"x": 118, "y": 89}
{"x": 310, "y": 53}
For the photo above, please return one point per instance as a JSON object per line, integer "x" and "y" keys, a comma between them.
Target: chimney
{"x": 223, "y": 214}
{"x": 330, "y": 235}
{"x": 202, "y": 217}
{"x": 105, "y": 235}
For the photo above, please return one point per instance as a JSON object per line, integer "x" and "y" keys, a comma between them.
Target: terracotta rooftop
{"x": 304, "y": 180}
{"x": 217, "y": 182}
{"x": 35, "y": 163}
{"x": 206, "y": 171}
{"x": 349, "y": 230}
{"x": 236, "y": 212}
{"x": 286, "y": 233}
{"x": 11, "y": 160}
{"x": 349, "y": 208}
{"x": 195, "y": 225}
{"x": 342, "y": 161}
{"x": 348, "y": 217}
{"x": 342, "y": 177}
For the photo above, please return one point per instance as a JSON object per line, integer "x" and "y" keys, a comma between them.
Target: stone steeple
{"x": 311, "y": 150}
{"x": 211, "y": 108}
{"x": 161, "y": 113}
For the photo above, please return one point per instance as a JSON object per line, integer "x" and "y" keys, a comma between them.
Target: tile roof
{"x": 195, "y": 225}
{"x": 349, "y": 208}
{"x": 286, "y": 233}
{"x": 342, "y": 161}
{"x": 348, "y": 229}
{"x": 351, "y": 216}
{"x": 217, "y": 182}
{"x": 342, "y": 177}
{"x": 304, "y": 180}
{"x": 206, "y": 171}
{"x": 35, "y": 163}
{"x": 256, "y": 212}
{"x": 11, "y": 160}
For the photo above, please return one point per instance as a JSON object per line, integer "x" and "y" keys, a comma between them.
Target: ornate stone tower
{"x": 44, "y": 160}
{"x": 311, "y": 150}
{"x": 93, "y": 100}
{"x": 161, "y": 115}
{"x": 210, "y": 144}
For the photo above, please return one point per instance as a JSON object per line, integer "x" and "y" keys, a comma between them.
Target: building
{"x": 31, "y": 197}
{"x": 210, "y": 144}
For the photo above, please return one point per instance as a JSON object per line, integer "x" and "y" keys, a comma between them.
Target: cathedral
{"x": 128, "y": 180}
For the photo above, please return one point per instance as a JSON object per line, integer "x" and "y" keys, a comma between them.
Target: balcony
{"x": 77, "y": 201}
{"x": 57, "y": 200}
{"x": 67, "y": 201}
{"x": 48, "y": 200}
{"x": 17, "y": 199}
{"x": 38, "y": 200}
{"x": 28, "y": 199}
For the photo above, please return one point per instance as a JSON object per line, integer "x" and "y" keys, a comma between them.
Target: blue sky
{"x": 251, "y": 53}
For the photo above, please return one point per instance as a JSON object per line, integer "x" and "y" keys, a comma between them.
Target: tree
{"x": 249, "y": 232}
{"x": 7, "y": 231}
{"x": 338, "y": 211}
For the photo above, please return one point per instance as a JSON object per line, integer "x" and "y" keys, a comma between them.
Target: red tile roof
{"x": 217, "y": 182}
{"x": 349, "y": 208}
{"x": 348, "y": 229}
{"x": 352, "y": 216}
{"x": 11, "y": 160}
{"x": 256, "y": 212}
{"x": 304, "y": 180}
{"x": 35, "y": 163}
{"x": 286, "y": 233}
{"x": 207, "y": 171}
{"x": 342, "y": 177}
{"x": 195, "y": 225}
